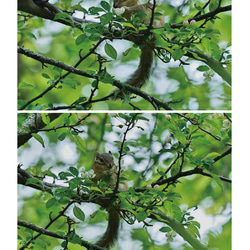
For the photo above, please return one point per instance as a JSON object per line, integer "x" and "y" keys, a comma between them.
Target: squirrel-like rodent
{"x": 141, "y": 75}
{"x": 105, "y": 169}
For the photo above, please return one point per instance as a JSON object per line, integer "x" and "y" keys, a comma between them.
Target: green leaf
{"x": 45, "y": 118}
{"x": 80, "y": 143}
{"x": 129, "y": 25}
{"x": 80, "y": 39}
{"x": 106, "y": 18}
{"x": 80, "y": 100}
{"x": 25, "y": 85}
{"x": 110, "y": 51}
{"x": 64, "y": 244}
{"x": 141, "y": 216}
{"x": 105, "y": 5}
{"x": 64, "y": 175}
{"x": 38, "y": 138}
{"x": 126, "y": 99}
{"x": 105, "y": 77}
{"x": 51, "y": 202}
{"x": 46, "y": 76}
{"x": 33, "y": 181}
{"x": 95, "y": 10}
{"x": 64, "y": 200}
{"x": 74, "y": 238}
{"x": 165, "y": 229}
{"x": 61, "y": 137}
{"x": 177, "y": 54}
{"x": 199, "y": 8}
{"x": 213, "y": 4}
{"x": 212, "y": 155}
{"x": 63, "y": 16}
{"x": 30, "y": 34}
{"x": 79, "y": 214}
{"x": 75, "y": 182}
{"x": 203, "y": 68}
{"x": 74, "y": 171}
{"x": 175, "y": 169}
{"x": 192, "y": 228}
{"x": 218, "y": 180}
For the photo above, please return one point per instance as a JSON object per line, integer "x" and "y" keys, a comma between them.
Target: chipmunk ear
{"x": 110, "y": 152}
{"x": 97, "y": 154}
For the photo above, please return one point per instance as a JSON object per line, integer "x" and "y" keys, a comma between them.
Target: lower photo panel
{"x": 124, "y": 181}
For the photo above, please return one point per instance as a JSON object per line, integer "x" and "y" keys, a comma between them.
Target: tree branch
{"x": 202, "y": 129}
{"x": 49, "y": 233}
{"x": 46, "y": 10}
{"x": 51, "y": 61}
{"x": 129, "y": 125}
{"x": 32, "y": 124}
{"x": 179, "y": 228}
{"x": 204, "y": 16}
{"x": 40, "y": 229}
{"x": 77, "y": 71}
{"x": 214, "y": 64}
{"x": 30, "y": 7}
{"x": 180, "y": 174}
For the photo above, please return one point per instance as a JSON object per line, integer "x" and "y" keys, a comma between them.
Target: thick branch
{"x": 51, "y": 61}
{"x": 179, "y": 228}
{"x": 23, "y": 176}
{"x": 44, "y": 231}
{"x": 39, "y": 229}
{"x": 32, "y": 124}
{"x": 154, "y": 101}
{"x": 214, "y": 64}
{"x": 46, "y": 10}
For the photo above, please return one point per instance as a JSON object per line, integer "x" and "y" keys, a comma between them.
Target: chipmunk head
{"x": 103, "y": 166}
{"x": 105, "y": 161}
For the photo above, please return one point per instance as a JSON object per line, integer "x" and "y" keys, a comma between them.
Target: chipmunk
{"x": 105, "y": 169}
{"x": 131, "y": 7}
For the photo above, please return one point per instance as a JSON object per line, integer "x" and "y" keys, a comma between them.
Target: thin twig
{"x": 129, "y": 125}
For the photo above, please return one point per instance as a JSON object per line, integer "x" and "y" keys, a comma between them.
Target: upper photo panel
{"x": 124, "y": 55}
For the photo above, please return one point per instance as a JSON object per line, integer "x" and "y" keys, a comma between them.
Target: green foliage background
{"x": 184, "y": 86}
{"x": 156, "y": 142}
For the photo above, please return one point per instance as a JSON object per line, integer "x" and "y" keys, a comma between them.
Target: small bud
{"x": 118, "y": 11}
{"x": 186, "y": 22}
{"x": 192, "y": 22}
{"x": 149, "y": 186}
{"x": 84, "y": 175}
{"x": 168, "y": 117}
{"x": 91, "y": 174}
{"x": 226, "y": 123}
{"x": 109, "y": 125}
{"x": 168, "y": 139}
{"x": 156, "y": 187}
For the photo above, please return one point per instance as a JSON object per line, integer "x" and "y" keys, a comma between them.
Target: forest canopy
{"x": 177, "y": 166}
{"x": 74, "y": 54}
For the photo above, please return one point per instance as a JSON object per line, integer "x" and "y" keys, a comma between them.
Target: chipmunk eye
{"x": 101, "y": 160}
